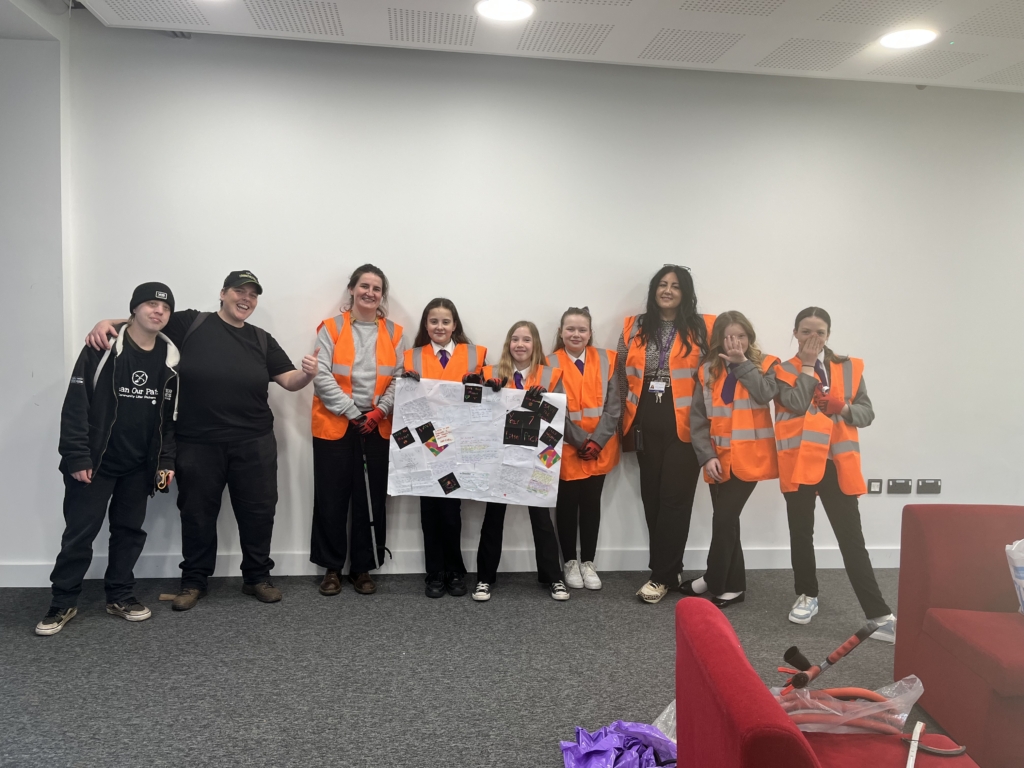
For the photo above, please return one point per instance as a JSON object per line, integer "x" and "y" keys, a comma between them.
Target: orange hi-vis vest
{"x": 584, "y": 395}
{"x": 466, "y": 358}
{"x": 331, "y": 426}
{"x": 741, "y": 430}
{"x": 805, "y": 441}
{"x": 541, "y": 376}
{"x": 683, "y": 370}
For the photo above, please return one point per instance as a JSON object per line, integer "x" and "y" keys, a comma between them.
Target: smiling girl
{"x": 521, "y": 367}
{"x": 443, "y": 351}
{"x": 731, "y": 431}
{"x": 660, "y": 352}
{"x": 360, "y": 354}
{"x": 592, "y": 442}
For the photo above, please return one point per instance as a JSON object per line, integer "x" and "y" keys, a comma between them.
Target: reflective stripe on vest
{"x": 472, "y": 357}
{"x": 417, "y": 360}
{"x": 341, "y": 370}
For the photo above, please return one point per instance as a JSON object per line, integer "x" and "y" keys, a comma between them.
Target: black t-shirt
{"x": 137, "y": 377}
{"x": 223, "y": 379}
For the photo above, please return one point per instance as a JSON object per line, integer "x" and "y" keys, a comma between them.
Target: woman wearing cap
{"x": 360, "y": 354}
{"x": 225, "y": 433}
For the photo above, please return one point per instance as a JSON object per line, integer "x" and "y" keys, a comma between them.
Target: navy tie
{"x": 443, "y": 354}
{"x": 517, "y": 377}
{"x": 819, "y": 369}
{"x": 579, "y": 364}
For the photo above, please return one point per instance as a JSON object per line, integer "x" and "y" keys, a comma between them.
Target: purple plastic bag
{"x": 620, "y": 745}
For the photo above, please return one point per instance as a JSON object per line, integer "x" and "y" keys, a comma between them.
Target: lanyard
{"x": 666, "y": 347}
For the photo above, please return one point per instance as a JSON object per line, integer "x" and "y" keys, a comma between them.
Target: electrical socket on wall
{"x": 900, "y": 486}
{"x": 929, "y": 486}
{"x": 874, "y": 486}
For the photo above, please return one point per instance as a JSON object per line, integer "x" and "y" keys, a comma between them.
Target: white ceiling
{"x": 980, "y": 43}
{"x": 16, "y": 25}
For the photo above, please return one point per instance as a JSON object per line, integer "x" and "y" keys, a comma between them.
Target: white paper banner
{"x": 470, "y": 442}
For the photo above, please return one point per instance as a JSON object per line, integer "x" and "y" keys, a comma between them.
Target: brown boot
{"x": 187, "y": 598}
{"x": 265, "y": 592}
{"x": 331, "y": 585}
{"x": 363, "y": 583}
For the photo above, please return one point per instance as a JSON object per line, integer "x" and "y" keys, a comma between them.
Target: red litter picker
{"x": 805, "y": 672}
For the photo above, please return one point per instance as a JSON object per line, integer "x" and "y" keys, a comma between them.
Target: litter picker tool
{"x": 808, "y": 672}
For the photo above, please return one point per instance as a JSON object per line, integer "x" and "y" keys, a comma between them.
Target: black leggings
{"x": 579, "y": 503}
{"x": 669, "y": 474}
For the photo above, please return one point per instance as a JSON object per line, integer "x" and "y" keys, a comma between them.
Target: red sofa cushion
{"x": 989, "y": 644}
{"x": 852, "y": 750}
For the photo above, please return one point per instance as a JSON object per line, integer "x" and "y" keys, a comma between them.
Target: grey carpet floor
{"x": 393, "y": 679}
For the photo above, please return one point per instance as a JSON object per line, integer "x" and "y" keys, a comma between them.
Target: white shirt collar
{"x": 583, "y": 355}
{"x": 449, "y": 347}
{"x": 524, "y": 372}
{"x": 821, "y": 356}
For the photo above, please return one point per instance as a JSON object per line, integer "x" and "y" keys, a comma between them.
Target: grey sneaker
{"x": 887, "y": 632}
{"x": 265, "y": 592}
{"x": 130, "y": 610}
{"x": 804, "y": 609}
{"x": 54, "y": 620}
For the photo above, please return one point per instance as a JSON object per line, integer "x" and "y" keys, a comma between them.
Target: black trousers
{"x": 844, "y": 516}
{"x": 579, "y": 505}
{"x": 85, "y": 506}
{"x": 338, "y": 480}
{"x": 488, "y": 555}
{"x": 249, "y": 470}
{"x": 441, "y": 520}
{"x": 726, "y": 571}
{"x": 669, "y": 474}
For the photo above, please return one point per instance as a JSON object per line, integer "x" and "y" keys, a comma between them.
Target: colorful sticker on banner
{"x": 404, "y": 438}
{"x": 549, "y": 457}
{"x": 432, "y": 446}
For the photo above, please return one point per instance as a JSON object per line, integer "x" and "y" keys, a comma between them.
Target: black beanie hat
{"x": 151, "y": 292}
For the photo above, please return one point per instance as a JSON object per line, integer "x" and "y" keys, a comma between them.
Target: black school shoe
{"x": 722, "y": 603}
{"x": 435, "y": 585}
{"x": 687, "y": 589}
{"x": 455, "y": 584}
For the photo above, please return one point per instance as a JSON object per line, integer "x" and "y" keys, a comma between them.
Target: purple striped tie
{"x": 820, "y": 370}
{"x": 579, "y": 364}
{"x": 443, "y": 354}
{"x": 517, "y": 377}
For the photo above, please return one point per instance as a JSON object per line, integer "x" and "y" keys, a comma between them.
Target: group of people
{"x": 166, "y": 395}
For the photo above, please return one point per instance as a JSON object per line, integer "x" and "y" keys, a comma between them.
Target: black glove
{"x": 537, "y": 390}
{"x": 410, "y": 375}
{"x": 472, "y": 378}
{"x": 497, "y": 384}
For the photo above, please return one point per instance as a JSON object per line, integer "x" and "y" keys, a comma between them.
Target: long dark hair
{"x": 821, "y": 314}
{"x": 382, "y": 308}
{"x": 688, "y": 322}
{"x": 458, "y": 335}
{"x": 582, "y": 312}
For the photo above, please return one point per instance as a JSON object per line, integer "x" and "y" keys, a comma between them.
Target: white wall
{"x": 517, "y": 187}
{"x": 31, "y": 305}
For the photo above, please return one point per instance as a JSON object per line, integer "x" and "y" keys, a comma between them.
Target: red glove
{"x": 472, "y": 378}
{"x": 590, "y": 451}
{"x": 496, "y": 384}
{"x": 370, "y": 421}
{"x": 830, "y": 405}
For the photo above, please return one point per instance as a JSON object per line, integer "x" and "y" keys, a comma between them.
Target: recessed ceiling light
{"x": 908, "y": 38}
{"x": 504, "y": 10}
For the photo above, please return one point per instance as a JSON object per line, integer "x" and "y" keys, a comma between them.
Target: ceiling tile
{"x": 1001, "y": 20}
{"x": 816, "y": 55}
{"x": 691, "y": 45}
{"x": 432, "y": 27}
{"x": 927, "y": 65}
{"x": 184, "y": 13}
{"x": 564, "y": 37}
{"x": 300, "y": 17}
{"x": 878, "y": 13}
{"x": 1010, "y": 76}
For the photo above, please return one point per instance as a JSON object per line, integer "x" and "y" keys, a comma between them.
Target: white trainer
{"x": 652, "y": 592}
{"x": 887, "y": 632}
{"x": 590, "y": 578}
{"x": 482, "y": 593}
{"x": 573, "y": 577}
{"x": 804, "y": 609}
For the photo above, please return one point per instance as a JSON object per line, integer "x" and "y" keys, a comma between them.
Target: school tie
{"x": 729, "y": 388}
{"x": 579, "y": 364}
{"x": 443, "y": 354}
{"x": 819, "y": 369}
{"x": 517, "y": 377}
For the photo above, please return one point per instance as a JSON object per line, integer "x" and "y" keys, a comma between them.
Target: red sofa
{"x": 726, "y": 717}
{"x": 959, "y": 626}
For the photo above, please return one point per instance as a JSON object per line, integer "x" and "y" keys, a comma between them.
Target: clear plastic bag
{"x": 666, "y": 721}
{"x": 814, "y": 710}
{"x": 1015, "y": 557}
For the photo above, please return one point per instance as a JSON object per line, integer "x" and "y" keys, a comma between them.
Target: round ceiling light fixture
{"x": 504, "y": 10}
{"x": 908, "y": 38}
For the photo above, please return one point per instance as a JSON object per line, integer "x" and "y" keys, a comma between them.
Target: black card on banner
{"x": 551, "y": 437}
{"x": 449, "y": 483}
{"x": 530, "y": 437}
{"x": 474, "y": 394}
{"x": 404, "y": 437}
{"x": 522, "y": 419}
{"x": 548, "y": 412}
{"x": 426, "y": 431}
{"x": 513, "y": 436}
{"x": 532, "y": 401}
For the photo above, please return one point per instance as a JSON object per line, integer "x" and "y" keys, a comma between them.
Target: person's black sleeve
{"x": 179, "y": 324}
{"x": 74, "y": 416}
{"x": 168, "y": 452}
{"x": 277, "y": 361}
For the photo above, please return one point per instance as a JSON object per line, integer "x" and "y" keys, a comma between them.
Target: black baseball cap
{"x": 244, "y": 277}
{"x": 151, "y": 292}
